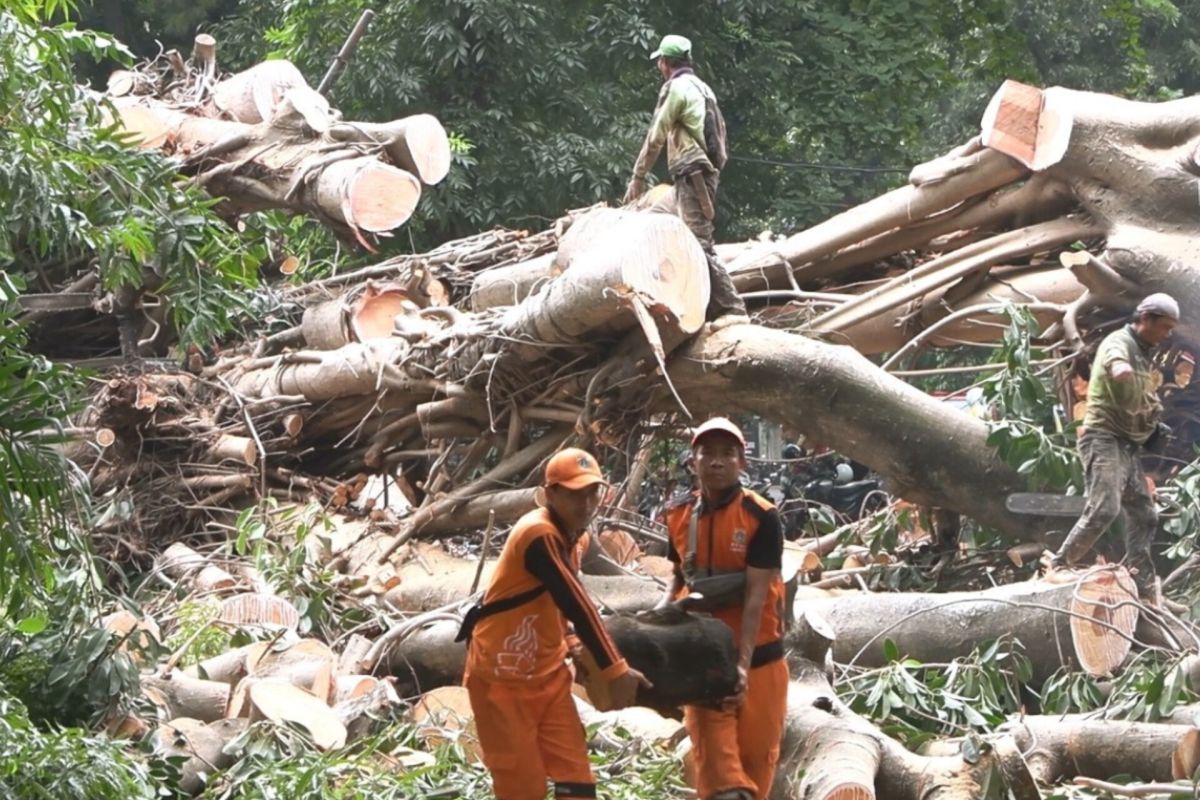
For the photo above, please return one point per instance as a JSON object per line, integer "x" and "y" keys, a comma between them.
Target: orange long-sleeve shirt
{"x": 529, "y": 642}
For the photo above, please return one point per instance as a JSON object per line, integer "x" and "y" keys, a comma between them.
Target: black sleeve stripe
{"x": 672, "y": 553}
{"x": 571, "y": 599}
{"x": 755, "y": 508}
{"x": 765, "y": 550}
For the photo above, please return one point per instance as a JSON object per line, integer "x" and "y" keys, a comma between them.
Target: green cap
{"x": 673, "y": 46}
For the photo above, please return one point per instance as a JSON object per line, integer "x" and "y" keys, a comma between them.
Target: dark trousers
{"x": 723, "y": 298}
{"x": 1116, "y": 485}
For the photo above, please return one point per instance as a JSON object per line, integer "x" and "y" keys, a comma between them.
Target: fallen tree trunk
{"x": 967, "y": 175}
{"x": 1085, "y": 624}
{"x": 831, "y": 753}
{"x": 1060, "y": 748}
{"x": 928, "y": 453}
{"x": 274, "y": 165}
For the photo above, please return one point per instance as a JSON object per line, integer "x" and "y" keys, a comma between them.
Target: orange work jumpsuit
{"x": 517, "y": 675}
{"x": 738, "y": 749}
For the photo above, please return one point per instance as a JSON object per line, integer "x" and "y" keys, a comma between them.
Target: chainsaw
{"x": 1045, "y": 505}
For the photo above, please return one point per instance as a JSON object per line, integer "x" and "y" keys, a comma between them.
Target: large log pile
{"x": 420, "y": 398}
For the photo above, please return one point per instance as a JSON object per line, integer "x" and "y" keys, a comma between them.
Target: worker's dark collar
{"x": 731, "y": 494}
{"x": 675, "y": 73}
{"x": 561, "y": 527}
{"x": 1142, "y": 343}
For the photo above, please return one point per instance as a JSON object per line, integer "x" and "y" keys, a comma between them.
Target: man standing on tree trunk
{"x": 516, "y": 674}
{"x": 1122, "y": 417}
{"x": 689, "y": 122}
{"x": 727, "y": 546}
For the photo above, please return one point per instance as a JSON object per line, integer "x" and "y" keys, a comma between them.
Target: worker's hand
{"x": 623, "y": 689}
{"x": 635, "y": 189}
{"x": 734, "y": 701}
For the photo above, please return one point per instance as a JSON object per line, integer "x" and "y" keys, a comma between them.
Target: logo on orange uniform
{"x": 739, "y": 541}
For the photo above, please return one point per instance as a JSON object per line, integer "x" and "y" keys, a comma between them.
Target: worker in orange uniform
{"x": 517, "y": 674}
{"x": 727, "y": 546}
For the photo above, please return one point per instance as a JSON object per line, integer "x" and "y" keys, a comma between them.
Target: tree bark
{"x": 929, "y": 454}
{"x": 1085, "y": 624}
{"x": 1060, "y": 748}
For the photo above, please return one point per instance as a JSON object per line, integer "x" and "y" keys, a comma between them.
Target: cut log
{"x": 418, "y": 144}
{"x": 324, "y": 325}
{"x": 831, "y": 753}
{"x": 252, "y": 94}
{"x": 183, "y": 563}
{"x": 365, "y": 194}
{"x": 228, "y": 667}
{"x": 278, "y": 164}
{"x": 648, "y": 258}
{"x": 234, "y": 448}
{"x": 374, "y": 700}
{"x": 200, "y": 745}
{"x": 308, "y": 663}
{"x": 444, "y": 715}
{"x": 138, "y": 635}
{"x": 373, "y": 315}
{"x": 185, "y": 696}
{"x": 1060, "y": 748}
{"x": 668, "y": 646}
{"x": 1085, "y": 624}
{"x": 253, "y": 608}
{"x": 284, "y": 703}
{"x": 507, "y": 286}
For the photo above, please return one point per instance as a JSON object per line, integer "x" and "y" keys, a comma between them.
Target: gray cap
{"x": 1160, "y": 304}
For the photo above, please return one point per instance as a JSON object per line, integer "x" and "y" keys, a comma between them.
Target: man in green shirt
{"x": 1122, "y": 417}
{"x": 689, "y": 122}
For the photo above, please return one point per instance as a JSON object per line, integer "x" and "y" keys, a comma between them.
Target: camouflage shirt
{"x": 1128, "y": 409}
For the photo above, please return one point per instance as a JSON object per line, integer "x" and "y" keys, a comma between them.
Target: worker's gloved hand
{"x": 635, "y": 189}
{"x": 623, "y": 689}
{"x": 1158, "y": 441}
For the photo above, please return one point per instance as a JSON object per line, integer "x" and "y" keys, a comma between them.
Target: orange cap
{"x": 573, "y": 469}
{"x": 719, "y": 424}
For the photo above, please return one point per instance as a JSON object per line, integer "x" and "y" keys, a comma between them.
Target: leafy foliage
{"x": 275, "y": 764}
{"x": 1147, "y": 690}
{"x": 66, "y": 764}
{"x": 74, "y": 192}
{"x": 915, "y": 702}
{"x": 1026, "y": 428}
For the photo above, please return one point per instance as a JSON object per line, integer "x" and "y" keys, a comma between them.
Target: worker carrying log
{"x": 1122, "y": 418}
{"x": 516, "y": 673}
{"x": 688, "y": 121}
{"x": 727, "y": 546}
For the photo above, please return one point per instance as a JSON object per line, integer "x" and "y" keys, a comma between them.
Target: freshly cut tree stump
{"x": 1085, "y": 624}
